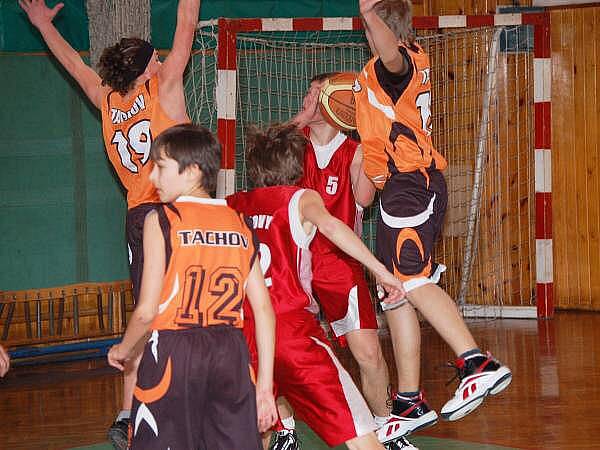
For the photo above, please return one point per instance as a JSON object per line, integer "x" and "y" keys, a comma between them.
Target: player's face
{"x": 165, "y": 176}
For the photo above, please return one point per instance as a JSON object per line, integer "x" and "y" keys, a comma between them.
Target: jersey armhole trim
{"x": 300, "y": 237}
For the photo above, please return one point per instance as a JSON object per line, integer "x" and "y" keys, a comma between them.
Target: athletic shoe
{"x": 480, "y": 376}
{"x": 407, "y": 415}
{"x": 118, "y": 434}
{"x": 400, "y": 444}
{"x": 285, "y": 440}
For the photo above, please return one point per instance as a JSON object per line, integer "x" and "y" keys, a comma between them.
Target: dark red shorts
{"x": 194, "y": 391}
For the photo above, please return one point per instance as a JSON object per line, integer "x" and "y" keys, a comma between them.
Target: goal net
{"x": 482, "y": 105}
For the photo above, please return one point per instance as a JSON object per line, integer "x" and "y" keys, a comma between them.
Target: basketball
{"x": 336, "y": 101}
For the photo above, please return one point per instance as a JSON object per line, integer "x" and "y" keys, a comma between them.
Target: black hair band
{"x": 140, "y": 60}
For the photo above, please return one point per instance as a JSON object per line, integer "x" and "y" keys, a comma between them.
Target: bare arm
{"x": 382, "y": 40}
{"x": 4, "y": 361}
{"x": 312, "y": 210}
{"x": 170, "y": 76}
{"x": 363, "y": 189}
{"x": 147, "y": 306}
{"x": 309, "y": 108}
{"x": 260, "y": 302}
{"x": 41, "y": 17}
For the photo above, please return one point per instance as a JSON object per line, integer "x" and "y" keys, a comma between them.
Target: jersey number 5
{"x": 138, "y": 139}
{"x": 332, "y": 185}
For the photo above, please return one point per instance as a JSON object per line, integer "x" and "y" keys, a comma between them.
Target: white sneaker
{"x": 407, "y": 415}
{"x": 480, "y": 376}
{"x": 400, "y": 444}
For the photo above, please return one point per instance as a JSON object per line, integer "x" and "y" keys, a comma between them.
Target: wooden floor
{"x": 553, "y": 402}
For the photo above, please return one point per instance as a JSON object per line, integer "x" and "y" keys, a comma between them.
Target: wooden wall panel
{"x": 451, "y": 7}
{"x": 575, "y": 162}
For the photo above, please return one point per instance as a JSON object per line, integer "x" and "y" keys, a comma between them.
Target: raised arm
{"x": 312, "y": 210}
{"x": 187, "y": 19}
{"x": 41, "y": 17}
{"x": 260, "y": 302}
{"x": 382, "y": 40}
{"x": 363, "y": 189}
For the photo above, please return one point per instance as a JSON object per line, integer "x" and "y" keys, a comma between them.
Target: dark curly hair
{"x": 397, "y": 14}
{"x": 119, "y": 65}
{"x": 275, "y": 156}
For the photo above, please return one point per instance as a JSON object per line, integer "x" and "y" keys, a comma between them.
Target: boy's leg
{"x": 340, "y": 285}
{"x": 313, "y": 380}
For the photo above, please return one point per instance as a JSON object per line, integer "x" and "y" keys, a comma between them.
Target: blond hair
{"x": 397, "y": 15}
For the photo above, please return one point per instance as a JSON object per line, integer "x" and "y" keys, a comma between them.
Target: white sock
{"x": 289, "y": 423}
{"x": 124, "y": 414}
{"x": 380, "y": 421}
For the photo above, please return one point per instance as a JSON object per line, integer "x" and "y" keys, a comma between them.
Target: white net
{"x": 483, "y": 124}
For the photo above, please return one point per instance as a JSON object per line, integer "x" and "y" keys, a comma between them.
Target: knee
{"x": 368, "y": 354}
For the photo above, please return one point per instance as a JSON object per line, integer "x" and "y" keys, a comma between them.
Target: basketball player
{"x": 285, "y": 217}
{"x": 332, "y": 167}
{"x": 393, "y": 101}
{"x": 4, "y": 361}
{"x": 194, "y": 388}
{"x": 138, "y": 97}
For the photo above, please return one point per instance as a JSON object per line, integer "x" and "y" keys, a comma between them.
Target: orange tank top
{"x": 210, "y": 251}
{"x": 128, "y": 127}
{"x": 396, "y": 133}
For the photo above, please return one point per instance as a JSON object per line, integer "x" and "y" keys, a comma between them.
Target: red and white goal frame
{"x": 226, "y": 108}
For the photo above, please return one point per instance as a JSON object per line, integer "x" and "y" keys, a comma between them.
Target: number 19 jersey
{"x": 128, "y": 128}
{"x": 209, "y": 253}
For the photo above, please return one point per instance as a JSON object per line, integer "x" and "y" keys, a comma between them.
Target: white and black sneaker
{"x": 400, "y": 444}
{"x": 118, "y": 434}
{"x": 408, "y": 415}
{"x": 285, "y": 440}
{"x": 480, "y": 375}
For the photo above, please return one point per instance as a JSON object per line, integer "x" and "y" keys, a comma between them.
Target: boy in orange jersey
{"x": 393, "y": 101}
{"x": 286, "y": 217}
{"x": 194, "y": 388}
{"x": 138, "y": 97}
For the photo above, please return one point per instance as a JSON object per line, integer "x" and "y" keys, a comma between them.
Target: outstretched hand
{"x": 38, "y": 13}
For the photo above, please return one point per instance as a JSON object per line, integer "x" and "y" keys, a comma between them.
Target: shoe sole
{"x": 427, "y": 423}
{"x": 501, "y": 384}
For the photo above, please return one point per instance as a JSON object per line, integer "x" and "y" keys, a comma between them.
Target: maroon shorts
{"x": 194, "y": 391}
{"x": 134, "y": 229}
{"x": 412, "y": 209}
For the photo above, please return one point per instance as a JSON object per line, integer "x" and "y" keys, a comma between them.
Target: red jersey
{"x": 210, "y": 251}
{"x": 327, "y": 171}
{"x": 128, "y": 127}
{"x": 284, "y": 254}
{"x": 393, "y": 117}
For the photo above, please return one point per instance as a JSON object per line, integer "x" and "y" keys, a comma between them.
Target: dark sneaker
{"x": 118, "y": 434}
{"x": 400, "y": 444}
{"x": 285, "y": 440}
{"x": 407, "y": 415}
{"x": 480, "y": 376}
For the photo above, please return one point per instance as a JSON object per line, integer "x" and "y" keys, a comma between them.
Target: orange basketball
{"x": 336, "y": 101}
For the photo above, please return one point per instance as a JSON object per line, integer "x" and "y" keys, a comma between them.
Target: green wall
{"x": 62, "y": 210}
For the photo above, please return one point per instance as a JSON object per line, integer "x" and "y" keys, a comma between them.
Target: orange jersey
{"x": 210, "y": 251}
{"x": 128, "y": 128}
{"x": 393, "y": 116}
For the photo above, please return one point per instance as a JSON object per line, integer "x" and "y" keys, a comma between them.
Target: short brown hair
{"x": 190, "y": 144}
{"x": 118, "y": 66}
{"x": 397, "y": 14}
{"x": 275, "y": 156}
{"x": 323, "y": 76}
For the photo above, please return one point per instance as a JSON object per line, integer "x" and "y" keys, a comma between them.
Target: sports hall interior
{"x": 523, "y": 248}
